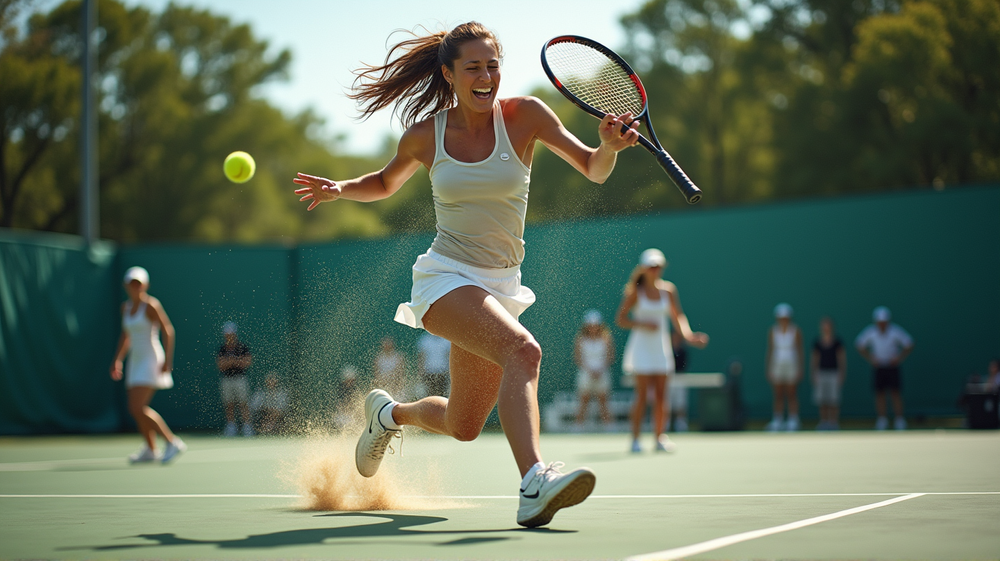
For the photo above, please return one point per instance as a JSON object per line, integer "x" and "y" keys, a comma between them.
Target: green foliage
{"x": 757, "y": 100}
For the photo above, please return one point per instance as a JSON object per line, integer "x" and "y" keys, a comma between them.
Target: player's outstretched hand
{"x": 698, "y": 340}
{"x": 316, "y": 189}
{"x": 611, "y": 133}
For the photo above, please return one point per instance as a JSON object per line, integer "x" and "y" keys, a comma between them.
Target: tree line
{"x": 760, "y": 100}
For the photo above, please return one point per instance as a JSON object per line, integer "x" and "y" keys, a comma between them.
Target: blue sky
{"x": 328, "y": 38}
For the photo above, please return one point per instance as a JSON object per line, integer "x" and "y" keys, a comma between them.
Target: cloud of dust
{"x": 328, "y": 480}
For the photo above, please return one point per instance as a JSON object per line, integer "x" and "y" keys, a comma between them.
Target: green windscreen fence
{"x": 306, "y": 312}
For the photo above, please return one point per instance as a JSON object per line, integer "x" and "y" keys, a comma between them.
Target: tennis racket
{"x": 600, "y": 82}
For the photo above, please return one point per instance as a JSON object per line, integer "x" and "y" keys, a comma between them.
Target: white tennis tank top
{"x": 145, "y": 354}
{"x": 480, "y": 206}
{"x": 594, "y": 353}
{"x": 784, "y": 344}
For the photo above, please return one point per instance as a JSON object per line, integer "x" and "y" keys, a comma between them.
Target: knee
{"x": 465, "y": 432}
{"x": 137, "y": 409}
{"x": 528, "y": 353}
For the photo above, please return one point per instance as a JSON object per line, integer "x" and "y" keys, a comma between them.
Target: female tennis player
{"x": 467, "y": 287}
{"x": 648, "y": 356}
{"x": 149, "y": 365}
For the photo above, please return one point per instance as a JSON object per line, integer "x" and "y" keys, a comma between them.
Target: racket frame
{"x": 687, "y": 187}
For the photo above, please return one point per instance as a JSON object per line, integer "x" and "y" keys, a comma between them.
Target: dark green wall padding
{"x": 931, "y": 257}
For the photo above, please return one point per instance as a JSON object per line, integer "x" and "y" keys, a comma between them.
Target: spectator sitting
{"x": 269, "y": 405}
{"x": 993, "y": 376}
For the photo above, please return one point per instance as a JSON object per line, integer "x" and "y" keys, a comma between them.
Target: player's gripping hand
{"x": 611, "y": 133}
{"x": 316, "y": 189}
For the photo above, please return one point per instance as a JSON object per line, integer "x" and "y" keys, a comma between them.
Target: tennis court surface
{"x": 849, "y": 495}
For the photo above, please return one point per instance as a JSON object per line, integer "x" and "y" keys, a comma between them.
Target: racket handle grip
{"x": 690, "y": 191}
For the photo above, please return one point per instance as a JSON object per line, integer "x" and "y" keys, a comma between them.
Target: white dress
{"x": 649, "y": 351}
{"x": 145, "y": 354}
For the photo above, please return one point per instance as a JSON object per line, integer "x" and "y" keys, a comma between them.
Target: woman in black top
{"x": 829, "y": 366}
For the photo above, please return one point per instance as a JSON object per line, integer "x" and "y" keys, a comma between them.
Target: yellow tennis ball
{"x": 239, "y": 167}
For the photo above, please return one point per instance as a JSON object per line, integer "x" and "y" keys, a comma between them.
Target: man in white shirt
{"x": 885, "y": 345}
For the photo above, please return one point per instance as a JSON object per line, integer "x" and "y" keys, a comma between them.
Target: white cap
{"x": 137, "y": 273}
{"x": 652, "y": 257}
{"x": 783, "y": 310}
{"x": 348, "y": 372}
{"x": 229, "y": 328}
{"x": 592, "y": 317}
{"x": 881, "y": 313}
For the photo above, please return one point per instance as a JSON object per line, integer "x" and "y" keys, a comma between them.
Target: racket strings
{"x": 594, "y": 78}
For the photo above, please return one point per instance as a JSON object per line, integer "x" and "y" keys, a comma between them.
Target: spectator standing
{"x": 269, "y": 405}
{"x": 593, "y": 353}
{"x": 647, "y": 303}
{"x": 829, "y": 369}
{"x": 144, "y": 322}
{"x": 885, "y": 346}
{"x": 434, "y": 353}
{"x": 233, "y": 360}
{"x": 784, "y": 368}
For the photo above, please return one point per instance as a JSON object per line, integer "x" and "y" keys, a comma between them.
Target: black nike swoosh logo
{"x": 531, "y": 496}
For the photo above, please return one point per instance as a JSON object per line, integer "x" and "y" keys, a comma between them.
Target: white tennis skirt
{"x": 435, "y": 275}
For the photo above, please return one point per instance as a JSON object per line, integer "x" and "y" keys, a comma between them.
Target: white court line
{"x": 483, "y": 497}
{"x": 710, "y": 545}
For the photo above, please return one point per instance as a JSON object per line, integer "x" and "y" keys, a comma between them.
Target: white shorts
{"x": 783, "y": 371}
{"x": 435, "y": 275}
{"x": 234, "y": 389}
{"x": 827, "y": 389}
{"x": 587, "y": 383}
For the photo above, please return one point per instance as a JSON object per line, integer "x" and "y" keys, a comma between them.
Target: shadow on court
{"x": 395, "y": 525}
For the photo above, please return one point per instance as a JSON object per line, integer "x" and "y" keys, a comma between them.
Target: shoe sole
{"x": 574, "y": 493}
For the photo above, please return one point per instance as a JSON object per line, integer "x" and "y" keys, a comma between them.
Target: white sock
{"x": 385, "y": 417}
{"x": 531, "y": 473}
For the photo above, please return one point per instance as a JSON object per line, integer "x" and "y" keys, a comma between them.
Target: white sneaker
{"x": 375, "y": 437}
{"x": 881, "y": 423}
{"x": 173, "y": 448}
{"x": 230, "y": 430}
{"x": 664, "y": 444}
{"x": 549, "y": 490}
{"x": 681, "y": 425}
{"x": 900, "y": 423}
{"x": 144, "y": 455}
{"x": 635, "y": 446}
{"x": 774, "y": 426}
{"x": 792, "y": 424}
{"x": 247, "y": 430}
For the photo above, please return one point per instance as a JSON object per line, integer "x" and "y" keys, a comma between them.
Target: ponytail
{"x": 415, "y": 75}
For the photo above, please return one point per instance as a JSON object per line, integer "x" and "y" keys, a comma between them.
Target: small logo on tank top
{"x": 504, "y": 156}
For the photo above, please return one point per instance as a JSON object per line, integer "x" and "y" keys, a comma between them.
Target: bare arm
{"x": 842, "y": 363}
{"x": 801, "y": 358}
{"x": 123, "y": 343}
{"x": 157, "y": 314}
{"x": 680, "y": 320}
{"x": 373, "y": 186}
{"x": 594, "y": 163}
{"x": 622, "y": 318}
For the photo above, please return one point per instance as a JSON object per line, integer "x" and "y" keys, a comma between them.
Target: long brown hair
{"x": 635, "y": 280}
{"x": 415, "y": 75}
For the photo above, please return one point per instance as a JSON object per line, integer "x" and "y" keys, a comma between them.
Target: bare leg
{"x": 880, "y": 403}
{"x": 245, "y": 411}
{"x": 149, "y": 421}
{"x": 793, "y": 399}
{"x": 897, "y": 403}
{"x": 494, "y": 360}
{"x": 639, "y": 404}
{"x": 602, "y": 400}
{"x": 230, "y": 412}
{"x": 661, "y": 405}
{"x": 778, "y": 398}
{"x": 582, "y": 413}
